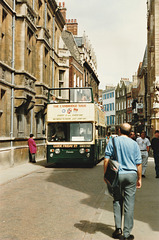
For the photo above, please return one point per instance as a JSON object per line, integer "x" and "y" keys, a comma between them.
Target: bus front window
{"x": 81, "y": 132}
{"x": 70, "y": 132}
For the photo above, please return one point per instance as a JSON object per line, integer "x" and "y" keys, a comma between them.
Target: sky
{"x": 117, "y": 31}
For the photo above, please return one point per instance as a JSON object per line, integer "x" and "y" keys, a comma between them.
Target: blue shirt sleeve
{"x": 109, "y": 151}
{"x": 138, "y": 158}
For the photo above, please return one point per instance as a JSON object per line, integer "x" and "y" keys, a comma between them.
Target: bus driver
{"x": 59, "y": 135}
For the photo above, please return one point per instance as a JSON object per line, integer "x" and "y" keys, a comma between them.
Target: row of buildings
{"x": 137, "y": 101}
{"x": 40, "y": 49}
{"x": 122, "y": 104}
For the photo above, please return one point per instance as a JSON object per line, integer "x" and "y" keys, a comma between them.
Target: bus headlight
{"x": 81, "y": 150}
{"x": 57, "y": 150}
{"x": 51, "y": 154}
{"x": 88, "y": 155}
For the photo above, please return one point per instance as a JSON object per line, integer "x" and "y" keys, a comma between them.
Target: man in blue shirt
{"x": 130, "y": 175}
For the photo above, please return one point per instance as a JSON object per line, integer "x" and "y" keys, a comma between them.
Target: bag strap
{"x": 114, "y": 148}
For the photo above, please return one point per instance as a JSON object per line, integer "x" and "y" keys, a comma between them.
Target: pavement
{"x": 146, "y": 221}
{"x": 19, "y": 171}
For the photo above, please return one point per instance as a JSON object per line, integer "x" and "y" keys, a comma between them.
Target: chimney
{"x": 63, "y": 9}
{"x": 72, "y": 26}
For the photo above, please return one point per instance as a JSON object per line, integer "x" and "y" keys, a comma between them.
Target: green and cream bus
{"x": 75, "y": 127}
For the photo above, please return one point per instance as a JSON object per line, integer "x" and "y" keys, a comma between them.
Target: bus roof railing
{"x": 72, "y": 94}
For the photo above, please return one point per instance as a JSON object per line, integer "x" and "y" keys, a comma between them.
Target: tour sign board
{"x": 70, "y": 112}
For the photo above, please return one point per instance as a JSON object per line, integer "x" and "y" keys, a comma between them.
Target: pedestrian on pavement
{"x": 144, "y": 145}
{"x": 32, "y": 148}
{"x": 108, "y": 136}
{"x": 137, "y": 135}
{"x": 129, "y": 158}
{"x": 132, "y": 135}
{"x": 155, "y": 147}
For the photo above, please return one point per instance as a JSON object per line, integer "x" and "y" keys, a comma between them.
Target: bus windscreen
{"x": 70, "y": 132}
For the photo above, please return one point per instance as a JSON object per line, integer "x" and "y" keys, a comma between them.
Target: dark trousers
{"x": 31, "y": 157}
{"x": 156, "y": 158}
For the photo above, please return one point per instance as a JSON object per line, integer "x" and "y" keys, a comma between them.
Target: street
{"x": 71, "y": 204}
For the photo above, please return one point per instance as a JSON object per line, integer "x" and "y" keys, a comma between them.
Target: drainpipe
{"x": 31, "y": 124}
{"x": 53, "y": 43}
{"x": 12, "y": 81}
{"x": 45, "y": 17}
{"x": 53, "y": 46}
{"x": 33, "y": 4}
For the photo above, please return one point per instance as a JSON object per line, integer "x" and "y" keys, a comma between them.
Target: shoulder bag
{"x": 111, "y": 174}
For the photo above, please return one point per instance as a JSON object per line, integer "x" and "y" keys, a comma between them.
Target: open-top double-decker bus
{"x": 75, "y": 127}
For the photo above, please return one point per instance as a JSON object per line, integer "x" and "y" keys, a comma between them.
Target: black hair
{"x": 31, "y": 135}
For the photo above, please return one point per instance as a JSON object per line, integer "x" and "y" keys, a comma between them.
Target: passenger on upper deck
{"x": 84, "y": 98}
{"x": 53, "y": 99}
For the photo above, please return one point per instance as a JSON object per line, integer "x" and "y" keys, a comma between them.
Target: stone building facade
{"x": 89, "y": 62}
{"x": 30, "y": 33}
{"x": 120, "y": 98}
{"x": 75, "y": 63}
{"x": 153, "y": 66}
{"x": 87, "y": 55}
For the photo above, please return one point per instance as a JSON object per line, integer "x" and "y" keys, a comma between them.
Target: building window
{"x": 48, "y": 22}
{"x": 61, "y": 81}
{"x": 74, "y": 80}
{"x": 29, "y": 50}
{"x": 81, "y": 83}
{"x": 4, "y": 38}
{"x": 39, "y": 125}
{"x": 2, "y": 101}
{"x": 122, "y": 107}
{"x": 111, "y": 120}
{"x": 117, "y": 119}
{"x": 61, "y": 75}
{"x": 78, "y": 82}
{"x": 107, "y": 120}
{"x": 46, "y": 66}
{"x": 124, "y": 117}
{"x": 110, "y": 106}
{"x": 128, "y": 117}
{"x": 20, "y": 124}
